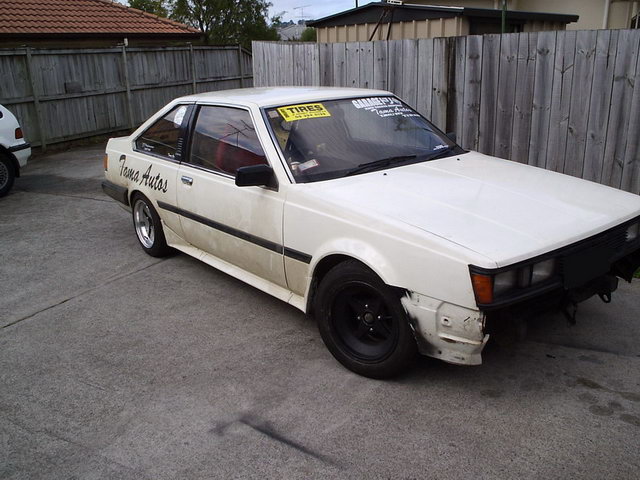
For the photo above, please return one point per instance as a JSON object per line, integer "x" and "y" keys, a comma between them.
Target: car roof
{"x": 273, "y": 96}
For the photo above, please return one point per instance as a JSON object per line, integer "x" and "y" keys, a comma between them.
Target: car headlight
{"x": 487, "y": 287}
{"x": 633, "y": 231}
{"x": 505, "y": 281}
{"x": 543, "y": 271}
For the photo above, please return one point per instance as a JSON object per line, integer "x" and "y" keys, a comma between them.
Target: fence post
{"x": 125, "y": 67}
{"x": 241, "y": 65}
{"x": 193, "y": 69}
{"x": 35, "y": 91}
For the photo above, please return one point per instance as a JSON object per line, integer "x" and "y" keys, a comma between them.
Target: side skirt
{"x": 281, "y": 293}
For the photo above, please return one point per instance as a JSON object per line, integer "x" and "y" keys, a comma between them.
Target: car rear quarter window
{"x": 225, "y": 139}
{"x": 164, "y": 137}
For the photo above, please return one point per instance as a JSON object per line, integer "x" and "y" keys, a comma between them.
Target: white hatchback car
{"x": 14, "y": 150}
{"x": 350, "y": 205}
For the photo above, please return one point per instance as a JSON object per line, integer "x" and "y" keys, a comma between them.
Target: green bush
{"x": 308, "y": 35}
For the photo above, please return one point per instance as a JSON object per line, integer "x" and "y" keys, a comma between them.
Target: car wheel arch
{"x": 324, "y": 265}
{"x": 14, "y": 161}
{"x": 133, "y": 193}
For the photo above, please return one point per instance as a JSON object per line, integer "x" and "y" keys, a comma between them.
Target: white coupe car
{"x": 14, "y": 150}
{"x": 351, "y": 206}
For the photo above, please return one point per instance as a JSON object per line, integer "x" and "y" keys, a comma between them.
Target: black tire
{"x": 7, "y": 175}
{"x": 148, "y": 227}
{"x": 363, "y": 323}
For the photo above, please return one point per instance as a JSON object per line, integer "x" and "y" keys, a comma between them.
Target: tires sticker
{"x": 384, "y": 107}
{"x": 292, "y": 113}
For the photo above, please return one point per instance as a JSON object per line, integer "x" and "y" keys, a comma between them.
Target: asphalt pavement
{"x": 114, "y": 364}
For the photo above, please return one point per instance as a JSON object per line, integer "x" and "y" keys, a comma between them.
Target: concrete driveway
{"x": 114, "y": 364}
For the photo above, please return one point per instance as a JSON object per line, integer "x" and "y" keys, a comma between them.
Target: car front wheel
{"x": 148, "y": 227}
{"x": 7, "y": 175}
{"x": 363, "y": 323}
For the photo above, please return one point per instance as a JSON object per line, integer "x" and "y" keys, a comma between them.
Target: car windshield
{"x": 338, "y": 138}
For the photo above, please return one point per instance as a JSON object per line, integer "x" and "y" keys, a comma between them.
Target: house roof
{"x": 372, "y": 12}
{"x": 84, "y": 18}
{"x": 291, "y": 31}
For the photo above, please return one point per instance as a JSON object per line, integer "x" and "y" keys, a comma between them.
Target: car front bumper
{"x": 445, "y": 331}
{"x": 458, "y": 335}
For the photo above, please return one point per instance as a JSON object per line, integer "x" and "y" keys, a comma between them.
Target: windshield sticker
{"x": 384, "y": 107}
{"x": 301, "y": 167}
{"x": 301, "y": 112}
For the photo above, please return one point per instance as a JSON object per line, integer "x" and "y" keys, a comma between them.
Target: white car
{"x": 14, "y": 150}
{"x": 349, "y": 205}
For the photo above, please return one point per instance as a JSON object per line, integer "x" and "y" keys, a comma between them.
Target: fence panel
{"x": 606, "y": 45}
{"x": 489, "y": 92}
{"x": 621, "y": 99}
{"x": 541, "y": 107}
{"x": 425, "y": 76}
{"x": 506, "y": 95}
{"x": 472, "y": 82}
{"x": 580, "y": 98}
{"x": 560, "y": 100}
{"x": 65, "y": 94}
{"x": 564, "y": 100}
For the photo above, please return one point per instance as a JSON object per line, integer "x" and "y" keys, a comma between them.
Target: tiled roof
{"x": 82, "y": 17}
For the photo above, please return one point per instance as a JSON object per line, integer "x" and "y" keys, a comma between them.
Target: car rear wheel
{"x": 363, "y": 323}
{"x": 148, "y": 227}
{"x": 7, "y": 175}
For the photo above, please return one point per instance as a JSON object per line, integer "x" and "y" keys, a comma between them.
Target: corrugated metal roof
{"x": 371, "y": 13}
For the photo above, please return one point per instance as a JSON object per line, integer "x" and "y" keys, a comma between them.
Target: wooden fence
{"x": 568, "y": 101}
{"x": 60, "y": 95}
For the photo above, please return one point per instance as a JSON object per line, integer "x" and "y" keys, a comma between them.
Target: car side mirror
{"x": 255, "y": 176}
{"x": 452, "y": 136}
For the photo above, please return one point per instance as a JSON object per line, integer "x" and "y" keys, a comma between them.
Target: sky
{"x": 313, "y": 9}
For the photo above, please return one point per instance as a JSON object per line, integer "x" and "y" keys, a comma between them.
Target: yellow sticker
{"x": 300, "y": 112}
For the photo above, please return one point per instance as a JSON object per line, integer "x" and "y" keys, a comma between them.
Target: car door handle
{"x": 187, "y": 180}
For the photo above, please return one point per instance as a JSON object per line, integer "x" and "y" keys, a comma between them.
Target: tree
{"x": 308, "y": 35}
{"x": 227, "y": 21}
{"x": 157, "y": 7}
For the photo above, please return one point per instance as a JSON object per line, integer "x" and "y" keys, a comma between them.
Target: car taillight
{"x": 19, "y": 133}
{"x": 105, "y": 162}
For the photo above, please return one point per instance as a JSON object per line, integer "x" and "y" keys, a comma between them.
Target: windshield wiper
{"x": 378, "y": 164}
{"x": 440, "y": 153}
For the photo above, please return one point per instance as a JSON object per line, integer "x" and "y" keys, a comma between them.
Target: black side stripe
{"x": 296, "y": 255}
{"x": 262, "y": 242}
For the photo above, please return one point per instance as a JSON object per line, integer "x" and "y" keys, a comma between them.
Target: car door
{"x": 152, "y": 166}
{"x": 239, "y": 225}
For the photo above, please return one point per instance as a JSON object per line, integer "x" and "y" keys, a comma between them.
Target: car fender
{"x": 359, "y": 250}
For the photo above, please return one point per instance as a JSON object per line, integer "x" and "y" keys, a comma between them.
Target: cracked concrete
{"x": 116, "y": 365}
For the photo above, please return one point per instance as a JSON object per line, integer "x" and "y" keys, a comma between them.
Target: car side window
{"x": 164, "y": 138}
{"x": 225, "y": 139}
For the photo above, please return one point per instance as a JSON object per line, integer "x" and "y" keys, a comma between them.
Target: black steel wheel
{"x": 361, "y": 318}
{"x": 363, "y": 323}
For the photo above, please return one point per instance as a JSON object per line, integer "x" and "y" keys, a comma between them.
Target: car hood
{"x": 501, "y": 209}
